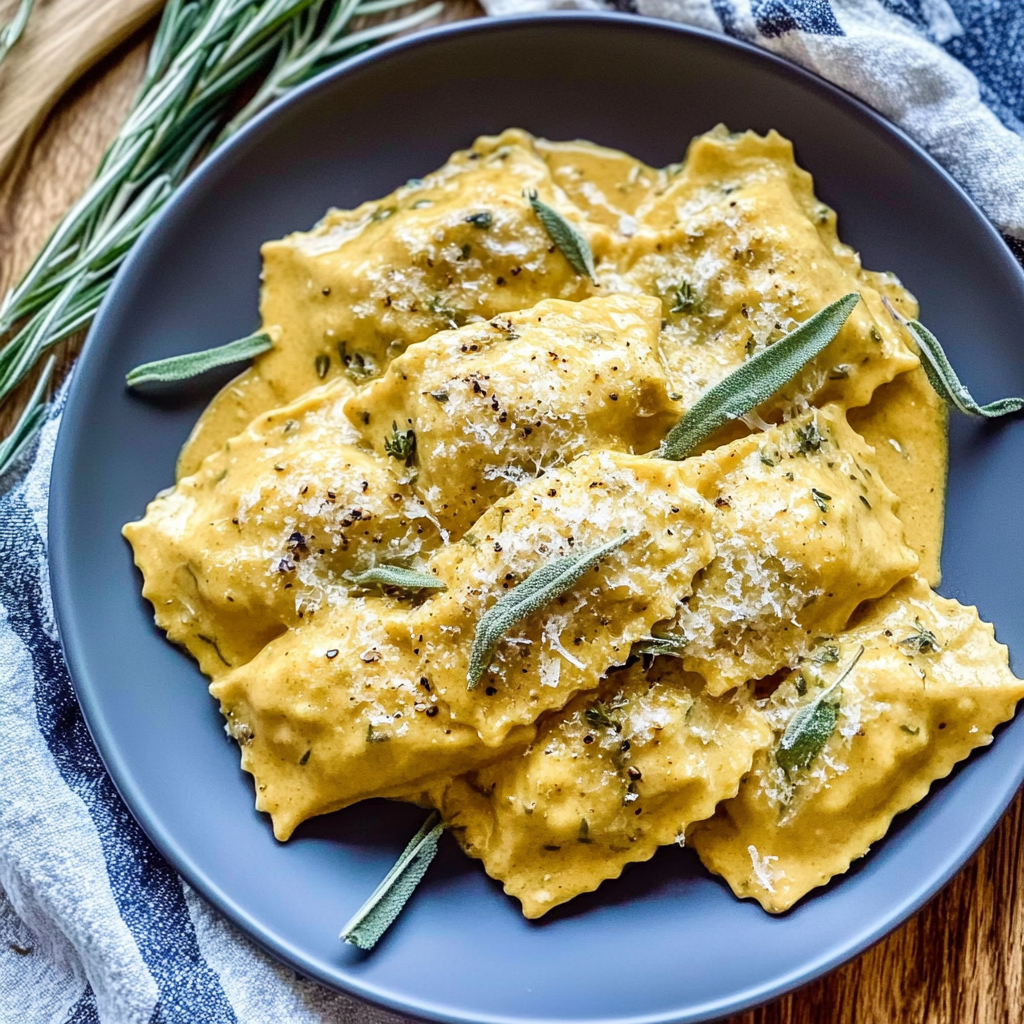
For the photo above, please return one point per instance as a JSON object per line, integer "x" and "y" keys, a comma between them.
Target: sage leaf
{"x": 757, "y": 379}
{"x": 191, "y": 364}
{"x": 810, "y": 728}
{"x": 538, "y": 589}
{"x": 396, "y": 576}
{"x": 946, "y": 383}
{"x": 566, "y": 236}
{"x": 376, "y": 915}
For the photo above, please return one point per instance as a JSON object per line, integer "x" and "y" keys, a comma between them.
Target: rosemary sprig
{"x": 204, "y": 54}
{"x": 397, "y": 576}
{"x": 376, "y": 915}
{"x": 810, "y": 728}
{"x": 921, "y": 641}
{"x": 11, "y": 32}
{"x": 28, "y": 423}
{"x": 757, "y": 379}
{"x": 566, "y": 236}
{"x": 947, "y": 384}
{"x": 542, "y": 586}
{"x": 191, "y": 364}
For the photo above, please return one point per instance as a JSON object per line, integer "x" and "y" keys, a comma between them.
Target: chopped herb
{"x": 323, "y": 364}
{"x": 909, "y": 731}
{"x": 875, "y": 335}
{"x": 809, "y": 438}
{"x": 672, "y": 646}
{"x": 686, "y": 298}
{"x": 358, "y": 366}
{"x": 480, "y": 220}
{"x": 192, "y": 364}
{"x": 828, "y": 655}
{"x": 810, "y": 728}
{"x": 439, "y": 396}
{"x": 583, "y": 834}
{"x": 305, "y": 757}
{"x": 921, "y": 641}
{"x": 376, "y": 915}
{"x": 396, "y": 576}
{"x": 465, "y": 251}
{"x": 757, "y": 379}
{"x": 372, "y": 736}
{"x": 566, "y": 236}
{"x": 383, "y": 213}
{"x": 801, "y": 685}
{"x": 401, "y": 444}
{"x": 767, "y": 459}
{"x": 542, "y": 586}
{"x": 841, "y": 371}
{"x": 821, "y": 499}
{"x": 599, "y": 715}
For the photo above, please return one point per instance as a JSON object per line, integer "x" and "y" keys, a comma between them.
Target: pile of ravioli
{"x": 447, "y": 393}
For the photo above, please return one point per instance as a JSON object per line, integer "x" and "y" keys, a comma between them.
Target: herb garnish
{"x": 947, "y": 384}
{"x": 401, "y": 444}
{"x": 757, "y": 379}
{"x": 375, "y": 916}
{"x": 810, "y": 728}
{"x": 821, "y": 499}
{"x": 921, "y": 641}
{"x": 809, "y": 438}
{"x": 28, "y": 423}
{"x": 542, "y": 586}
{"x": 686, "y": 298}
{"x": 191, "y": 364}
{"x": 599, "y": 715}
{"x": 323, "y": 364}
{"x": 480, "y": 220}
{"x": 396, "y": 576}
{"x": 566, "y": 236}
{"x": 672, "y": 646}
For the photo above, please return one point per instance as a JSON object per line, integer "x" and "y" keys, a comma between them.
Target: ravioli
{"x": 495, "y": 404}
{"x": 740, "y": 251}
{"x": 804, "y": 532}
{"x": 930, "y": 687}
{"x": 607, "y": 781}
{"x": 577, "y": 637}
{"x": 337, "y": 711}
{"x": 261, "y": 536}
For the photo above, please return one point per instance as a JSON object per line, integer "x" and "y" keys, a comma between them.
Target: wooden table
{"x": 959, "y": 961}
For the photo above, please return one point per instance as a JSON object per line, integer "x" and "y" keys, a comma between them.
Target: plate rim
{"x": 62, "y": 586}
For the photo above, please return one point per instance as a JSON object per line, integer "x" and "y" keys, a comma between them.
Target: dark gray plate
{"x": 667, "y": 941}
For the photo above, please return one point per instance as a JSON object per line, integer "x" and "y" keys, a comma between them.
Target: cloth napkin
{"x": 95, "y": 927}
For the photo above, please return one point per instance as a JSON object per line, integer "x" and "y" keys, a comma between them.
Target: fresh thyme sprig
{"x": 205, "y": 52}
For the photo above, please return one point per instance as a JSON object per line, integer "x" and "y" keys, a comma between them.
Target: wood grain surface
{"x": 959, "y": 961}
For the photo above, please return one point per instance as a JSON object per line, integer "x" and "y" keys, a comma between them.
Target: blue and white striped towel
{"x": 94, "y": 925}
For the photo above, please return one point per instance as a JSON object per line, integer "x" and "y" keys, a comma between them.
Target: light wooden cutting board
{"x": 63, "y": 38}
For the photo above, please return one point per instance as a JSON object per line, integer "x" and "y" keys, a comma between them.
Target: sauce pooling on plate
{"x": 425, "y": 548}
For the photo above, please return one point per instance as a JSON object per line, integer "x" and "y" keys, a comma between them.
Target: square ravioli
{"x": 570, "y": 643}
{"x": 606, "y": 781}
{"x": 804, "y": 532}
{"x": 930, "y": 686}
{"x": 740, "y": 251}
{"x": 494, "y": 404}
{"x": 260, "y": 537}
{"x": 337, "y": 710}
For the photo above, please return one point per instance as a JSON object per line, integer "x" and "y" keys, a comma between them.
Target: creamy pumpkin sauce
{"x": 448, "y": 393}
